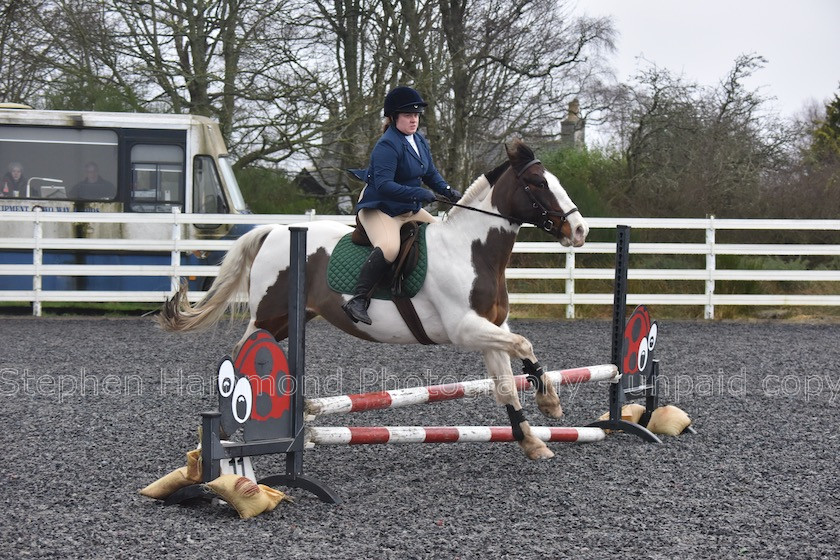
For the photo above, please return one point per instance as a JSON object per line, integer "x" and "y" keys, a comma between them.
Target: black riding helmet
{"x": 403, "y": 99}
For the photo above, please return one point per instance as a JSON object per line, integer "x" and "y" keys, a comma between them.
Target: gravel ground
{"x": 95, "y": 408}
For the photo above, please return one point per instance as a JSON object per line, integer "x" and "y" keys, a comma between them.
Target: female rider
{"x": 400, "y": 161}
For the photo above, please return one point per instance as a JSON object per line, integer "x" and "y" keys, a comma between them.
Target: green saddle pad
{"x": 347, "y": 259}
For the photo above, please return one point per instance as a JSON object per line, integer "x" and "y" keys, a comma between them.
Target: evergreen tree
{"x": 826, "y": 136}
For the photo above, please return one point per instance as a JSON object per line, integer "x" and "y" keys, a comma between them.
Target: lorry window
{"x": 53, "y": 162}
{"x": 233, "y": 187}
{"x": 208, "y": 197}
{"x": 157, "y": 178}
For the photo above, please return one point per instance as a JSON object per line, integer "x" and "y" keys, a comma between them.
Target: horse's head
{"x": 530, "y": 193}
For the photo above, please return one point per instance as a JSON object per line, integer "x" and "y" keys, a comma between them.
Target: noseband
{"x": 545, "y": 214}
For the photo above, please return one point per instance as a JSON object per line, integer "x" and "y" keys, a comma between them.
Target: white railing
{"x": 570, "y": 273}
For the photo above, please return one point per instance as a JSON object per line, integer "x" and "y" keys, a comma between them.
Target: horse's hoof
{"x": 537, "y": 450}
{"x": 544, "y": 453}
{"x": 552, "y": 411}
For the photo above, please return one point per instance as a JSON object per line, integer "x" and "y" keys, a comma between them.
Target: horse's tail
{"x": 178, "y": 315}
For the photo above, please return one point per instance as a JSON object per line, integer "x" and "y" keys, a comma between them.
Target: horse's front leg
{"x": 545, "y": 394}
{"x": 498, "y": 367}
{"x": 478, "y": 333}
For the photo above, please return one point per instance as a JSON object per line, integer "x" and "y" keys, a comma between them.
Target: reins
{"x": 547, "y": 223}
{"x": 440, "y": 198}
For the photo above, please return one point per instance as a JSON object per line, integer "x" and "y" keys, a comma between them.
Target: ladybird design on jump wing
{"x": 637, "y": 347}
{"x": 255, "y": 390}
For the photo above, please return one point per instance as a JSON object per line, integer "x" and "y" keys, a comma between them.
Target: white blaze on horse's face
{"x": 578, "y": 229}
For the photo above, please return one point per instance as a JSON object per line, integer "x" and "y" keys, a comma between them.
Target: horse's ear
{"x": 512, "y": 148}
{"x": 518, "y": 153}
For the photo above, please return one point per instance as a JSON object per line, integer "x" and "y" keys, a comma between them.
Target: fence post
{"x": 570, "y": 283}
{"x": 37, "y": 260}
{"x": 710, "y": 269}
{"x": 176, "y": 254}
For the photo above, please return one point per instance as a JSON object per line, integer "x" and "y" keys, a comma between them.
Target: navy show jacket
{"x": 395, "y": 173}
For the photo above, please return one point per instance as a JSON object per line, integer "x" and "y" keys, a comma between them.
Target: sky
{"x": 700, "y": 40}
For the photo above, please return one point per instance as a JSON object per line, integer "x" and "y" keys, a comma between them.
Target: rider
{"x": 392, "y": 195}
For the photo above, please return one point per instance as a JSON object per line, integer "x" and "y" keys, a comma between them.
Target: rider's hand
{"x": 452, "y": 194}
{"x": 425, "y": 196}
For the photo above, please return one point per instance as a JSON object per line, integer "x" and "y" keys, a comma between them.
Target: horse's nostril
{"x": 580, "y": 232}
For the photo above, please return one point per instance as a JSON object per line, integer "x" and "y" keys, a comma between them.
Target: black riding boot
{"x": 372, "y": 271}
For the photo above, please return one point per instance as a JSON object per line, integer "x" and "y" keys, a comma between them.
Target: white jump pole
{"x": 397, "y": 398}
{"x": 370, "y": 435}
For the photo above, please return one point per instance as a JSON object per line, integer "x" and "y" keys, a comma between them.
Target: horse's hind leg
{"x": 249, "y": 330}
{"x": 278, "y": 327}
{"x": 498, "y": 367}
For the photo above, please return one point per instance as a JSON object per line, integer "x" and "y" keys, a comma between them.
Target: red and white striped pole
{"x": 380, "y": 400}
{"x": 369, "y": 435}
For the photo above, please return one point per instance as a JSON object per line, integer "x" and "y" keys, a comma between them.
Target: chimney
{"x": 572, "y": 127}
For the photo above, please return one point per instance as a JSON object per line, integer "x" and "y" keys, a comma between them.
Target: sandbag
{"x": 194, "y": 465}
{"x": 630, "y": 412}
{"x": 246, "y": 496}
{"x": 668, "y": 420}
{"x": 166, "y": 485}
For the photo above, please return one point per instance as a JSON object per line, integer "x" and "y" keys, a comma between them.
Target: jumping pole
{"x": 370, "y": 435}
{"x": 398, "y": 398}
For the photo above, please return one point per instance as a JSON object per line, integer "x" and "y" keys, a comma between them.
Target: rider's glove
{"x": 452, "y": 194}
{"x": 425, "y": 196}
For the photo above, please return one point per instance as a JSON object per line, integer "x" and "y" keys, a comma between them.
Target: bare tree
{"x": 24, "y": 48}
{"x": 288, "y": 78}
{"x": 475, "y": 61}
{"x": 242, "y": 62}
{"x": 510, "y": 68}
{"x": 88, "y": 71}
{"x": 692, "y": 150}
{"x": 353, "y": 69}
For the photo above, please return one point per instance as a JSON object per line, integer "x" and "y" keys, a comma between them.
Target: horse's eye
{"x": 539, "y": 183}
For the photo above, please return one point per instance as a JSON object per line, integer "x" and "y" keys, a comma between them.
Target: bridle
{"x": 546, "y": 223}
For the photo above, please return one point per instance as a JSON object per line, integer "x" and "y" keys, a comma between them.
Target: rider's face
{"x": 407, "y": 123}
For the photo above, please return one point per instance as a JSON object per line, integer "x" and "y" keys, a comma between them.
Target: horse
{"x": 463, "y": 300}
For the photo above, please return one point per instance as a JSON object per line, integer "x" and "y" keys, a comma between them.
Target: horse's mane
{"x": 494, "y": 174}
{"x": 480, "y": 187}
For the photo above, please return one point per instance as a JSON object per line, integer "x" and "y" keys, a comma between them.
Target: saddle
{"x": 399, "y": 285}
{"x": 407, "y": 259}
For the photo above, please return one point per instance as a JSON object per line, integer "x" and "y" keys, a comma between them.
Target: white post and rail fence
{"x": 816, "y": 285}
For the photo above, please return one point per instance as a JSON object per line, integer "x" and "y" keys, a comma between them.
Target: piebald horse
{"x": 463, "y": 300}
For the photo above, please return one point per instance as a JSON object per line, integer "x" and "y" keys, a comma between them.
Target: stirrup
{"x": 356, "y": 309}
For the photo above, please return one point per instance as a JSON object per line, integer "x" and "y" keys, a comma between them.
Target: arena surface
{"x": 94, "y": 409}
